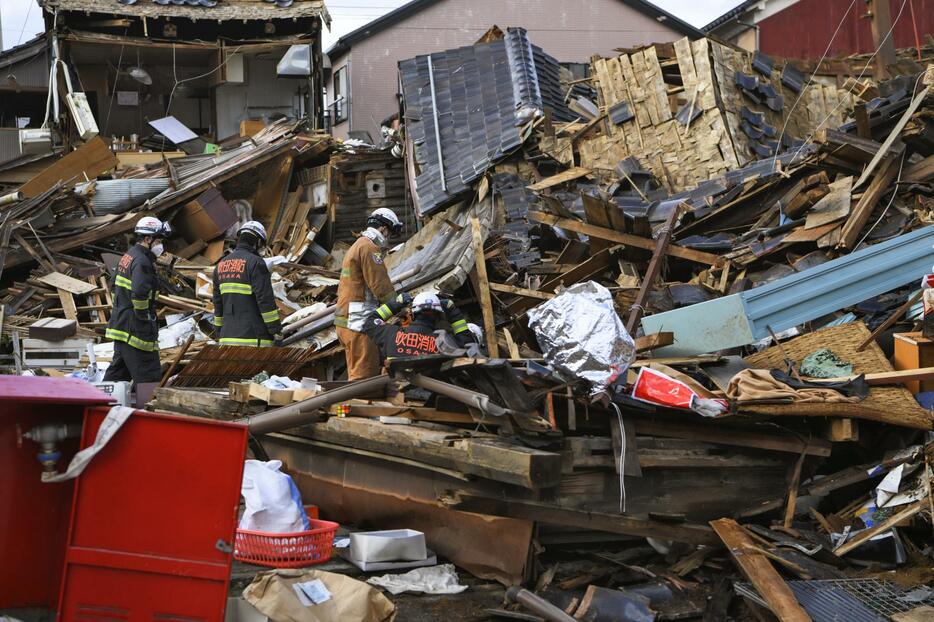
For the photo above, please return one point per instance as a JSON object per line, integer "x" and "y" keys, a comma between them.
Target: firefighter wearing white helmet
{"x": 132, "y": 325}
{"x": 245, "y": 311}
{"x": 421, "y": 336}
{"x": 364, "y": 284}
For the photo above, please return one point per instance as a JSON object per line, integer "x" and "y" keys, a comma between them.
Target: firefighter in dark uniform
{"x": 245, "y": 310}
{"x": 132, "y": 326}
{"x": 419, "y": 338}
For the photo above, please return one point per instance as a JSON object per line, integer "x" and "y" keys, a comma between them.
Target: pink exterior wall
{"x": 569, "y": 31}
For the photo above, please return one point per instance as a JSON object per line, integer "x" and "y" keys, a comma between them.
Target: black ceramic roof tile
{"x": 483, "y": 95}
{"x": 792, "y": 78}
{"x": 762, "y": 63}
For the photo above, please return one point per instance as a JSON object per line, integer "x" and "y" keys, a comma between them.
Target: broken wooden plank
{"x": 622, "y": 238}
{"x": 582, "y": 519}
{"x": 655, "y": 265}
{"x": 887, "y": 377}
{"x": 867, "y": 534}
{"x": 86, "y": 162}
{"x": 859, "y": 216}
{"x": 713, "y": 433}
{"x": 483, "y": 287}
{"x": 760, "y": 572}
{"x": 68, "y": 304}
{"x": 564, "y": 176}
{"x": 67, "y": 283}
{"x": 653, "y": 341}
{"x": 521, "y": 291}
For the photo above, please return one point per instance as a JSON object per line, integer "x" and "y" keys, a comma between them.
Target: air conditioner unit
{"x": 35, "y": 141}
{"x": 81, "y": 113}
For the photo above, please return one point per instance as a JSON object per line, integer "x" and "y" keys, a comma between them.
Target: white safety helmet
{"x": 149, "y": 225}
{"x": 385, "y": 217}
{"x": 254, "y": 227}
{"x": 476, "y": 331}
{"x": 426, "y": 301}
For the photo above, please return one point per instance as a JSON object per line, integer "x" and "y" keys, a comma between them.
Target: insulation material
{"x": 581, "y": 334}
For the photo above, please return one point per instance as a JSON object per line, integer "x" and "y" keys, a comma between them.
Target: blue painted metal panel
{"x": 740, "y": 319}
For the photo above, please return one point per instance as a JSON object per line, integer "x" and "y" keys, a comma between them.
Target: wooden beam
{"x": 653, "y": 341}
{"x": 68, "y": 304}
{"x": 521, "y": 291}
{"x": 582, "y": 519}
{"x": 759, "y": 571}
{"x": 86, "y": 162}
{"x": 865, "y": 535}
{"x": 655, "y": 266}
{"x": 887, "y": 377}
{"x": 622, "y": 238}
{"x": 730, "y": 436}
{"x": 564, "y": 176}
{"x": 858, "y": 218}
{"x": 483, "y": 287}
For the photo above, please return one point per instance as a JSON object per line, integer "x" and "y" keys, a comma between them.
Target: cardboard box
{"x": 207, "y": 217}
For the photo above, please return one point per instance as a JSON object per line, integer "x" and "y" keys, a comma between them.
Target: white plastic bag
{"x": 273, "y": 503}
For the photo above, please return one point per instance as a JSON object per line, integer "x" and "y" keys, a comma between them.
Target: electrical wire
{"x": 113, "y": 93}
{"x": 25, "y": 22}
{"x": 820, "y": 125}
{"x": 204, "y": 75}
{"x": 781, "y": 134}
{"x": 622, "y": 458}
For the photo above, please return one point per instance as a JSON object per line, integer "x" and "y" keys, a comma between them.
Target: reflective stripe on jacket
{"x": 244, "y": 304}
{"x": 364, "y": 284}
{"x": 133, "y": 320}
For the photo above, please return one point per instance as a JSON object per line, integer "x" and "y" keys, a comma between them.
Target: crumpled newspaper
{"x": 581, "y": 334}
{"x": 441, "y": 579}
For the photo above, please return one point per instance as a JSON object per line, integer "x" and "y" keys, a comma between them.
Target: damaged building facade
{"x": 699, "y": 386}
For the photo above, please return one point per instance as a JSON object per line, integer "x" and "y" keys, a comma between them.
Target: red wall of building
{"x": 804, "y": 29}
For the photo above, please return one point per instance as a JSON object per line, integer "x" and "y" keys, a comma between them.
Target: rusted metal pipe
{"x": 537, "y": 605}
{"x": 298, "y": 413}
{"x": 480, "y": 401}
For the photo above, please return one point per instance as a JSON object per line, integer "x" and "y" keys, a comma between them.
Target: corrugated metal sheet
{"x": 115, "y": 196}
{"x": 740, "y": 319}
{"x": 9, "y": 145}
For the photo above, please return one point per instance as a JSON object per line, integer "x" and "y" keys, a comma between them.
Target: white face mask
{"x": 157, "y": 249}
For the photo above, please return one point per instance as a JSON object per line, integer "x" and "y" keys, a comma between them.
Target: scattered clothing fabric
{"x": 441, "y": 579}
{"x": 856, "y": 387}
{"x": 758, "y": 385}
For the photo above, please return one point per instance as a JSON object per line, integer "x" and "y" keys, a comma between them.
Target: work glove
{"x": 447, "y": 304}
{"x": 277, "y": 341}
{"x": 404, "y": 299}
{"x": 474, "y": 351}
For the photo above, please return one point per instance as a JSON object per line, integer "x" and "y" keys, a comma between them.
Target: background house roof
{"x": 393, "y": 17}
{"x": 225, "y": 10}
{"x": 732, "y": 13}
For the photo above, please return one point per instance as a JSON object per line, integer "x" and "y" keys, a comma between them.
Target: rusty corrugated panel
{"x": 781, "y": 34}
{"x": 216, "y": 366}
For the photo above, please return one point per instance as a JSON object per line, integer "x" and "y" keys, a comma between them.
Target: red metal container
{"x": 33, "y": 514}
{"x": 153, "y": 520}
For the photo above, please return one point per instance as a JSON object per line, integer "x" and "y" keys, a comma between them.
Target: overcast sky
{"x": 21, "y": 19}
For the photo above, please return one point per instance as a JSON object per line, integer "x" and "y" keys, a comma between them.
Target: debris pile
{"x": 688, "y": 269}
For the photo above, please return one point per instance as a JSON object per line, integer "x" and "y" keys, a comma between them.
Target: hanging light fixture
{"x": 138, "y": 73}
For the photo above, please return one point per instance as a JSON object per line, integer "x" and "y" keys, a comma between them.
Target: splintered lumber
{"x": 622, "y": 238}
{"x": 483, "y": 287}
{"x": 759, "y": 571}
{"x": 415, "y": 413}
{"x": 581, "y": 519}
{"x": 881, "y": 183}
{"x": 86, "y": 162}
{"x": 653, "y": 341}
{"x": 867, "y": 534}
{"x": 67, "y": 283}
{"x": 888, "y": 377}
{"x": 68, "y": 304}
{"x": 715, "y": 433}
{"x": 521, "y": 291}
{"x": 648, "y": 281}
{"x": 569, "y": 175}
{"x": 199, "y": 403}
{"x": 480, "y": 455}
{"x": 891, "y": 320}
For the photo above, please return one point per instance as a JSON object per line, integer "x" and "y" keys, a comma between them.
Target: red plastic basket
{"x": 287, "y": 550}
